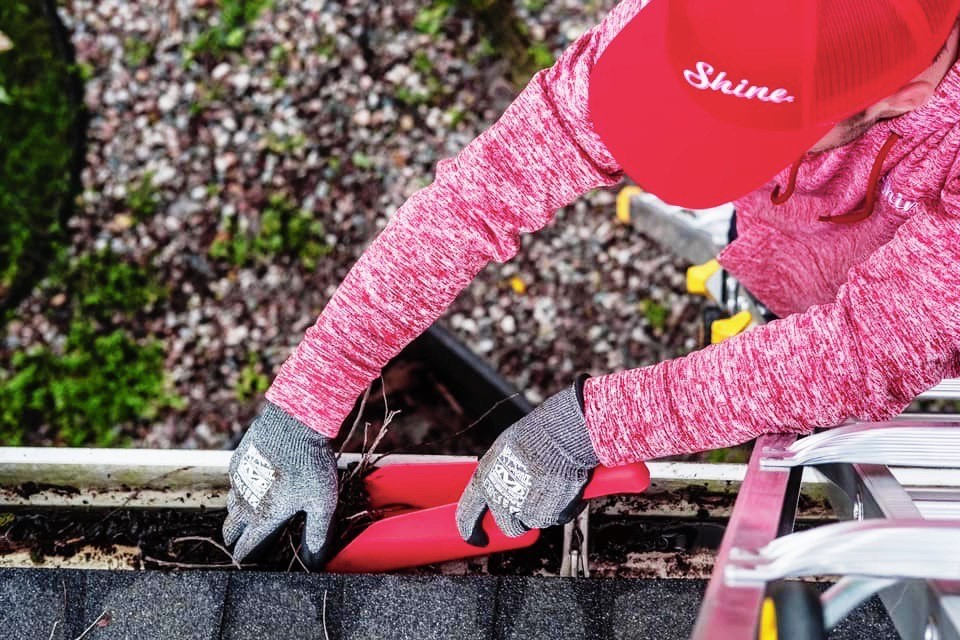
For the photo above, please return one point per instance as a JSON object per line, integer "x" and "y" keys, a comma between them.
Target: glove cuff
{"x": 566, "y": 426}
{"x": 285, "y": 434}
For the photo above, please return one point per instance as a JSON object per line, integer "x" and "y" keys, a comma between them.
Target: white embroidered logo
{"x": 701, "y": 79}
{"x": 508, "y": 482}
{"x": 254, "y": 476}
{"x": 895, "y": 198}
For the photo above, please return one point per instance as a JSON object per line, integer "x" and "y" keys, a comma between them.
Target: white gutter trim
{"x": 194, "y": 478}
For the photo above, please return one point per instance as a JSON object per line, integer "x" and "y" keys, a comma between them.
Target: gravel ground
{"x": 308, "y": 108}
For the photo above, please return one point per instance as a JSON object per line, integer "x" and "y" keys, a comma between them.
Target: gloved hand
{"x": 280, "y": 468}
{"x": 535, "y": 473}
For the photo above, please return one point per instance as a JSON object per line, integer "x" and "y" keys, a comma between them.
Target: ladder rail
{"x": 732, "y": 611}
{"x": 872, "y": 491}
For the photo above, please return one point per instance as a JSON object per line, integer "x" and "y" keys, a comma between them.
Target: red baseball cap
{"x": 703, "y": 101}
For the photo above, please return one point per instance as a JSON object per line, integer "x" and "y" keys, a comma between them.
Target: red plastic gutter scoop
{"x": 430, "y": 535}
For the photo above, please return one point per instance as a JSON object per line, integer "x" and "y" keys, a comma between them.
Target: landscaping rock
{"x": 342, "y": 108}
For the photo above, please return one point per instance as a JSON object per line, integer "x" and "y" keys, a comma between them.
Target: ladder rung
{"x": 901, "y": 549}
{"x": 923, "y": 444}
{"x": 947, "y": 390}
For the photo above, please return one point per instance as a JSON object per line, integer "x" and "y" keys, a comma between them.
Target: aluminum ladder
{"x": 895, "y": 486}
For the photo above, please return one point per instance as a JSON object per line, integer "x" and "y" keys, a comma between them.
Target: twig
{"x": 326, "y": 636}
{"x": 363, "y": 447}
{"x": 187, "y": 565}
{"x": 367, "y": 461}
{"x": 386, "y": 411}
{"x": 367, "y": 513}
{"x": 296, "y": 555}
{"x": 356, "y": 423}
{"x": 290, "y": 542}
{"x": 235, "y": 562}
{"x": 383, "y": 391}
{"x": 439, "y": 386}
{"x": 380, "y": 434}
{"x": 92, "y": 625}
{"x": 452, "y": 436}
{"x": 56, "y": 623}
{"x": 388, "y": 417}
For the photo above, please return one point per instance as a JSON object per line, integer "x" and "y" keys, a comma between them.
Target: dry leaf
{"x": 120, "y": 222}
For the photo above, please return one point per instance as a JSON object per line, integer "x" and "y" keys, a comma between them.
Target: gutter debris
{"x": 162, "y": 510}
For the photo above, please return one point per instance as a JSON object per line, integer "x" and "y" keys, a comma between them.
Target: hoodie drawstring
{"x": 873, "y": 181}
{"x": 779, "y": 198}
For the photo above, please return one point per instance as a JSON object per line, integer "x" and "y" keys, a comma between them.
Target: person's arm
{"x": 892, "y": 333}
{"x": 540, "y": 156}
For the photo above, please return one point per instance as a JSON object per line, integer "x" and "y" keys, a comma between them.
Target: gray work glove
{"x": 280, "y": 468}
{"x": 535, "y": 473}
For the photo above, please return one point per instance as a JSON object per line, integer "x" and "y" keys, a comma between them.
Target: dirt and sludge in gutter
{"x": 665, "y": 533}
{"x": 190, "y": 539}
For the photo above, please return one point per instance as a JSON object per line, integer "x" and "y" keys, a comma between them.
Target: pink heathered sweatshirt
{"x": 870, "y": 311}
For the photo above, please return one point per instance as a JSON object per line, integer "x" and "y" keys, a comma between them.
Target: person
{"x": 833, "y": 125}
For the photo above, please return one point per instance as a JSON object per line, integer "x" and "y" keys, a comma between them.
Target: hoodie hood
{"x": 793, "y": 254}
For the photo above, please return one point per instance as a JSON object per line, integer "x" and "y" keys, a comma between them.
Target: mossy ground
{"x": 39, "y": 120}
{"x": 100, "y": 376}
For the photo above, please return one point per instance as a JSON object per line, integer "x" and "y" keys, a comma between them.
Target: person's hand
{"x": 535, "y": 473}
{"x": 280, "y": 468}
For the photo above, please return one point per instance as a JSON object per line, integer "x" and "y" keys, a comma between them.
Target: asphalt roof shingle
{"x": 41, "y": 604}
{"x": 202, "y": 605}
{"x": 265, "y": 606}
{"x": 418, "y": 607}
{"x": 148, "y": 604}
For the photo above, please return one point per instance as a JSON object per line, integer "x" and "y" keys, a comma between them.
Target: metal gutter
{"x": 194, "y": 478}
{"x": 178, "y": 478}
{"x": 184, "y": 478}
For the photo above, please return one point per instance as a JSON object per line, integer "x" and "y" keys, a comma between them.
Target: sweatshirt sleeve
{"x": 540, "y": 156}
{"x": 892, "y": 333}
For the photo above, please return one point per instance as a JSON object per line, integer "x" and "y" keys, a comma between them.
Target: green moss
{"x": 455, "y": 115}
{"x": 434, "y": 88}
{"x": 136, "y": 51}
{"x": 286, "y": 144}
{"x": 327, "y": 46}
{"x": 207, "y": 96}
{"x": 103, "y": 377}
{"x": 430, "y": 19}
{"x": 252, "y": 380}
{"x": 229, "y": 31}
{"x": 655, "y": 313}
{"x": 87, "y": 392}
{"x": 409, "y": 97}
{"x": 102, "y": 284}
{"x": 83, "y": 70}
{"x": 38, "y": 129}
{"x": 733, "y": 455}
{"x": 361, "y": 160}
{"x": 502, "y": 33}
{"x": 142, "y": 198}
{"x": 541, "y": 55}
{"x": 284, "y": 230}
{"x": 421, "y": 63}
